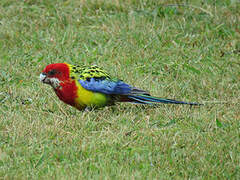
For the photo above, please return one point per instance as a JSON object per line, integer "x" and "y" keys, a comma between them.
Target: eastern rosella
{"x": 83, "y": 87}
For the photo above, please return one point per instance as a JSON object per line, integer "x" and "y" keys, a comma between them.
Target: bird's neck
{"x": 67, "y": 92}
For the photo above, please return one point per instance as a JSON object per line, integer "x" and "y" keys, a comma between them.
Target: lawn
{"x": 184, "y": 50}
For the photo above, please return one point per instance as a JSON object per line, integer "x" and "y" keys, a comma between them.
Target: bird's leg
{"x": 87, "y": 109}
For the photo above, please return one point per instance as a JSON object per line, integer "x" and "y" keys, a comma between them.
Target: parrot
{"x": 91, "y": 87}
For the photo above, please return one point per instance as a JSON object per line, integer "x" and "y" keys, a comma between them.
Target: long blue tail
{"x": 146, "y": 99}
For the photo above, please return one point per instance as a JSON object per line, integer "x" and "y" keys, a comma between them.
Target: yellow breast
{"x": 89, "y": 98}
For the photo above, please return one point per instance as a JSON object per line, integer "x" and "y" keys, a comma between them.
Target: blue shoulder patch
{"x": 106, "y": 86}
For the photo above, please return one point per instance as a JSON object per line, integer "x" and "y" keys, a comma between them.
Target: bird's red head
{"x": 53, "y": 74}
{"x": 57, "y": 75}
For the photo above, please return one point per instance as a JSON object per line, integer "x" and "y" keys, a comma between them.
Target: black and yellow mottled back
{"x": 85, "y": 73}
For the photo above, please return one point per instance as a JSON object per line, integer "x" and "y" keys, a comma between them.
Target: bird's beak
{"x": 43, "y": 77}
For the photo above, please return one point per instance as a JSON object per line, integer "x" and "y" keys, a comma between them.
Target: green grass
{"x": 188, "y": 52}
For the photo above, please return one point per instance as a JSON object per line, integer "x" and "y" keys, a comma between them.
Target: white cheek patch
{"x": 54, "y": 82}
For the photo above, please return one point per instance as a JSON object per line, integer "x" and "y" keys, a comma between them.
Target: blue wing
{"x": 127, "y": 92}
{"x": 106, "y": 86}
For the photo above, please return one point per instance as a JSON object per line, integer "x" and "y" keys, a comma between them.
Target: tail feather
{"x": 145, "y": 99}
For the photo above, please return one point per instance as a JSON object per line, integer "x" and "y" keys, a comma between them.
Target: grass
{"x": 187, "y": 52}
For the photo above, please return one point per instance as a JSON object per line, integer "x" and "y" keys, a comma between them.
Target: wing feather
{"x": 106, "y": 86}
{"x": 96, "y": 79}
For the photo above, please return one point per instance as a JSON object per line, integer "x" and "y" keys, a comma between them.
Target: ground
{"x": 184, "y": 50}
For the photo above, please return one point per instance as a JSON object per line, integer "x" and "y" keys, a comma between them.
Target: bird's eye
{"x": 52, "y": 72}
